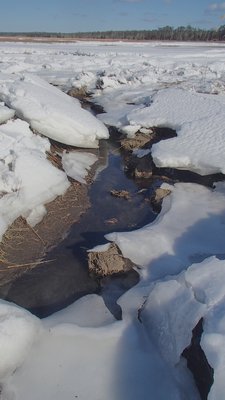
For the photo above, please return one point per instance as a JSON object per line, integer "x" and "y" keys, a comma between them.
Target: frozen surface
{"x": 83, "y": 351}
{"x": 5, "y": 113}
{"x": 138, "y": 85}
{"x": 197, "y": 118}
{"x": 114, "y": 362}
{"x": 77, "y": 164}
{"x": 199, "y": 121}
{"x": 89, "y": 311}
{"x": 205, "y": 279}
{"x": 51, "y": 112}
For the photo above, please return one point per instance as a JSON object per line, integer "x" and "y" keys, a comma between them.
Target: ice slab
{"x": 51, "y": 112}
{"x": 77, "y": 164}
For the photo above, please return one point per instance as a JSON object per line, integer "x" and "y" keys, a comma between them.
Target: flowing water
{"x": 52, "y": 286}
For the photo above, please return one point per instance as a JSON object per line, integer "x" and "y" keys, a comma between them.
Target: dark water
{"x": 198, "y": 363}
{"x": 50, "y": 287}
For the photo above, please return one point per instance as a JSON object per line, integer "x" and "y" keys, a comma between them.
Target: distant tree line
{"x": 181, "y": 33}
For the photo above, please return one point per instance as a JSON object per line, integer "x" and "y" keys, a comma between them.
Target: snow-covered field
{"x": 83, "y": 352}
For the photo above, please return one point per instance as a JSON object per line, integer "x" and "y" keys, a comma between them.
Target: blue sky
{"x": 92, "y": 15}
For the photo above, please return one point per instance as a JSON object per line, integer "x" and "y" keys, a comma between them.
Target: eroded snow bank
{"x": 27, "y": 179}
{"x": 51, "y": 112}
{"x": 18, "y": 331}
{"x": 198, "y": 119}
{"x": 175, "y": 306}
{"x": 190, "y": 227}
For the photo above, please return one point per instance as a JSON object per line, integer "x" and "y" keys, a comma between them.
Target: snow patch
{"x": 18, "y": 331}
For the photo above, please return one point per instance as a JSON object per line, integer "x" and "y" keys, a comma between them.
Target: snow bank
{"x": 206, "y": 279}
{"x": 27, "y": 179}
{"x": 51, "y": 112}
{"x": 163, "y": 316}
{"x": 5, "y": 113}
{"x": 199, "y": 121}
{"x": 77, "y": 164}
{"x": 165, "y": 246}
{"x": 195, "y": 294}
{"x": 118, "y": 362}
{"x": 173, "y": 107}
{"x": 81, "y": 313}
{"x": 18, "y": 331}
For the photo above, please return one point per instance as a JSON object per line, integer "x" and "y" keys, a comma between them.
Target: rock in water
{"x": 109, "y": 262}
{"x": 157, "y": 198}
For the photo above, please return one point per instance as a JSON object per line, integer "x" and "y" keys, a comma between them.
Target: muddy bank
{"x": 23, "y": 247}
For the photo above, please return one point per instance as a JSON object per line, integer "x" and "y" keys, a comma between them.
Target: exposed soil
{"x": 24, "y": 247}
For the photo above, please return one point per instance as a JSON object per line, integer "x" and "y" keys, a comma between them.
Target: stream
{"x": 50, "y": 287}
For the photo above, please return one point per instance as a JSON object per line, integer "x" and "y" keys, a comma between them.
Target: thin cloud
{"x": 216, "y": 7}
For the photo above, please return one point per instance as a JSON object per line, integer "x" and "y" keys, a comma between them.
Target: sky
{"x": 100, "y": 15}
